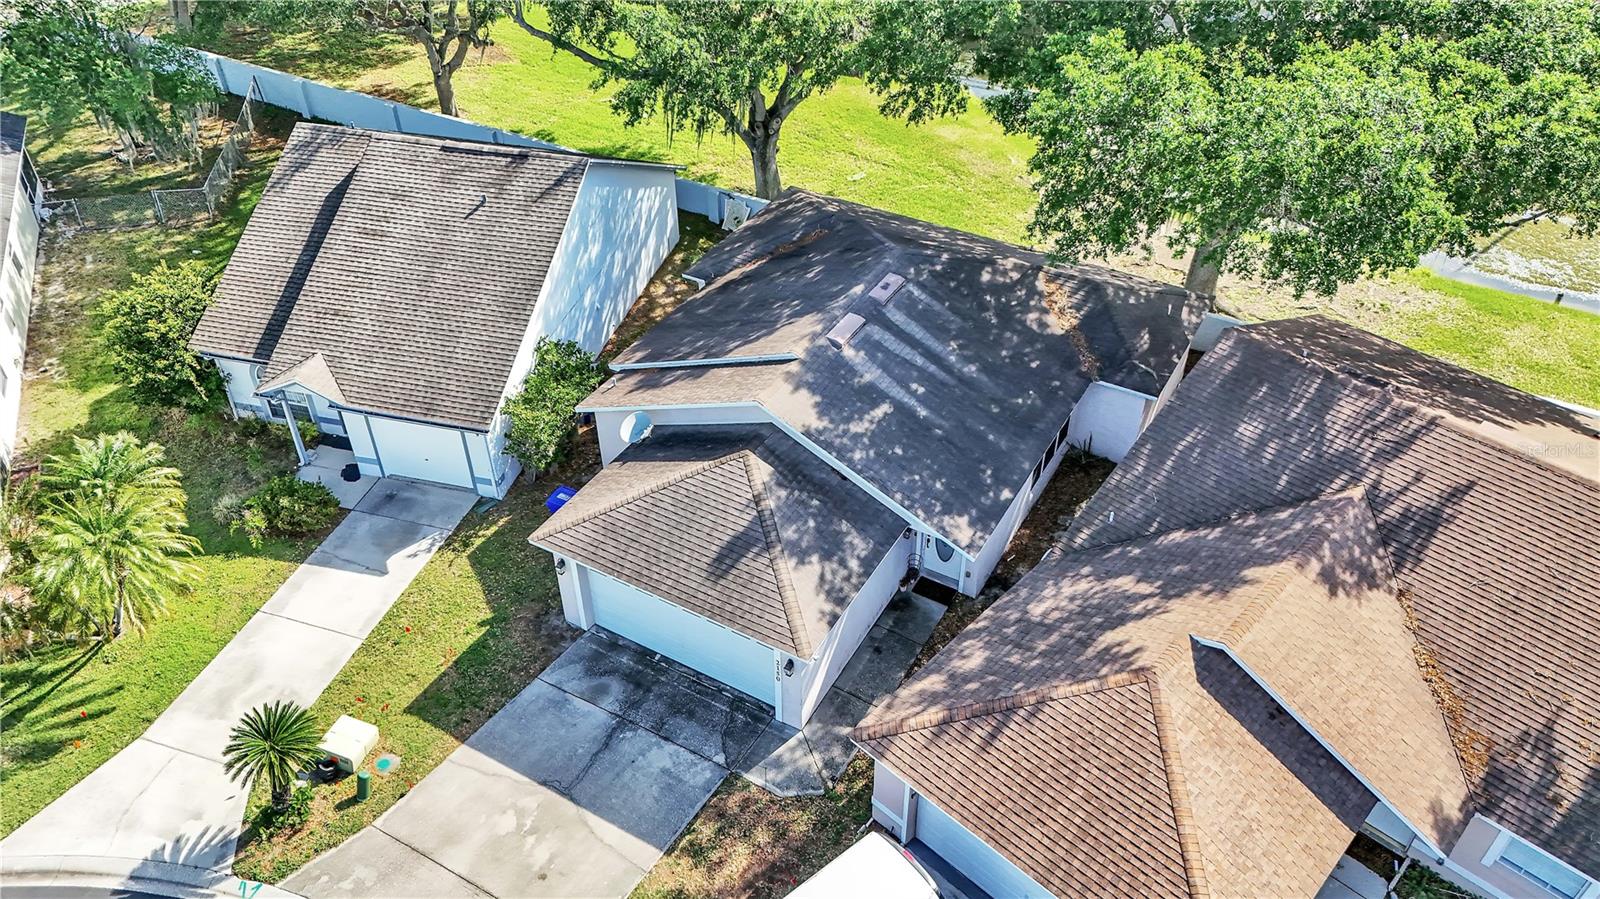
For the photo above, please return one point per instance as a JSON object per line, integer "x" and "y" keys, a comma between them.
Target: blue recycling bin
{"x": 559, "y": 497}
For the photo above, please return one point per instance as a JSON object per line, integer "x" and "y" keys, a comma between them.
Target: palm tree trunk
{"x": 116, "y": 611}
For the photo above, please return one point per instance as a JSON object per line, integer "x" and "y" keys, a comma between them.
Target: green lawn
{"x": 962, "y": 171}
{"x": 66, "y": 709}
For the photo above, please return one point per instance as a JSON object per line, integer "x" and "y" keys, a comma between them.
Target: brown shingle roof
{"x": 411, "y": 264}
{"x": 736, "y": 523}
{"x": 1487, "y": 501}
{"x": 1302, "y": 595}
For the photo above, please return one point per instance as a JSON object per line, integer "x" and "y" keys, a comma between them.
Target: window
{"x": 1540, "y": 869}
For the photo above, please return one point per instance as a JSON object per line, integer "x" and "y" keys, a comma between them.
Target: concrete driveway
{"x": 575, "y": 788}
{"x": 164, "y": 800}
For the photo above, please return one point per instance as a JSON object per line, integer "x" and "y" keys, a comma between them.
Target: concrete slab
{"x": 553, "y": 796}
{"x": 270, "y": 659}
{"x": 434, "y": 505}
{"x": 380, "y": 865}
{"x": 781, "y": 763}
{"x": 878, "y": 666}
{"x": 349, "y": 582}
{"x": 660, "y": 696}
{"x": 148, "y": 805}
{"x": 912, "y": 616}
{"x": 828, "y": 732}
{"x": 327, "y": 468}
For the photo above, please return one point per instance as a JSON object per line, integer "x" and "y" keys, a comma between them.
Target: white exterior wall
{"x": 608, "y": 422}
{"x": 361, "y": 443}
{"x": 970, "y": 855}
{"x": 16, "y": 308}
{"x": 989, "y": 557}
{"x": 1109, "y": 419}
{"x": 846, "y": 635}
{"x": 239, "y": 377}
{"x": 623, "y": 224}
{"x": 891, "y": 801}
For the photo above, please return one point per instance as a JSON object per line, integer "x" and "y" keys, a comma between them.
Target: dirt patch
{"x": 667, "y": 289}
{"x": 747, "y": 842}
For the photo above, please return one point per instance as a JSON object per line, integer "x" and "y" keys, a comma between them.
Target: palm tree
{"x": 110, "y": 465}
{"x": 272, "y": 741}
{"x": 112, "y": 560}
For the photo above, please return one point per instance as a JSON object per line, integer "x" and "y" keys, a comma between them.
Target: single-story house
{"x": 898, "y": 395}
{"x": 391, "y": 288}
{"x": 19, "y": 245}
{"x": 1336, "y": 587}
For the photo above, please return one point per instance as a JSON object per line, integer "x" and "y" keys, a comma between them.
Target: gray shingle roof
{"x": 1486, "y": 499}
{"x": 949, "y": 392}
{"x": 736, "y": 523}
{"x": 1081, "y": 729}
{"x": 411, "y": 264}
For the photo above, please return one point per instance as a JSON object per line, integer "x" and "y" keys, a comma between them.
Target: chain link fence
{"x": 165, "y": 207}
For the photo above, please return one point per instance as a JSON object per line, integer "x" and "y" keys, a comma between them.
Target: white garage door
{"x": 423, "y": 452}
{"x": 972, "y": 856}
{"x": 707, "y": 647}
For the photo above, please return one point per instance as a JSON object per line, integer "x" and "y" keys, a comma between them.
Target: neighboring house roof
{"x": 13, "y": 131}
{"x": 949, "y": 392}
{"x": 736, "y": 523}
{"x": 1487, "y": 500}
{"x": 1082, "y": 728}
{"x": 410, "y": 264}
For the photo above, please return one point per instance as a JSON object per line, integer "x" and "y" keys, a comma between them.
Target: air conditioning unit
{"x": 734, "y": 214}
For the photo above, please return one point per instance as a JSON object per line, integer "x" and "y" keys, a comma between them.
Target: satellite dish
{"x": 636, "y": 427}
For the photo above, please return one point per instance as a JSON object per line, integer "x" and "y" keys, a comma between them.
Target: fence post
{"x": 395, "y": 108}
{"x": 221, "y": 73}
{"x": 155, "y": 198}
{"x": 305, "y": 97}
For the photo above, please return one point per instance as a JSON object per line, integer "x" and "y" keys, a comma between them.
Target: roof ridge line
{"x": 798, "y": 633}
{"x": 952, "y": 714}
{"x": 1431, "y": 413}
{"x": 640, "y": 493}
{"x": 1194, "y": 870}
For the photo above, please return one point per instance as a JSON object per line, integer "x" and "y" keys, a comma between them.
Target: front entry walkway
{"x": 163, "y": 803}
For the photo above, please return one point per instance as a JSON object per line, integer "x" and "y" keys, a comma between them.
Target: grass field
{"x": 961, "y": 171}
{"x": 67, "y": 708}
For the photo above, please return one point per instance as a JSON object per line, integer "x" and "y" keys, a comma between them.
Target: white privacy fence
{"x": 315, "y": 100}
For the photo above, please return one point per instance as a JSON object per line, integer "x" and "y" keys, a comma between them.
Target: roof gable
{"x": 412, "y": 265}
{"x": 1491, "y": 541}
{"x": 1303, "y": 596}
{"x": 735, "y": 523}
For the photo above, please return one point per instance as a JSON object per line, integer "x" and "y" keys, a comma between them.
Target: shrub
{"x": 146, "y": 335}
{"x": 542, "y": 413}
{"x": 285, "y": 506}
{"x": 309, "y": 432}
{"x": 294, "y": 814}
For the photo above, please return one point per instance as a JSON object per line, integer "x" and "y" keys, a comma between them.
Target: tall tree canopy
{"x": 1309, "y": 143}
{"x": 743, "y": 66}
{"x": 65, "y": 57}
{"x": 446, "y": 30}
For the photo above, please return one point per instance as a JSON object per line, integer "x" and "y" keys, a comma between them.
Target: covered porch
{"x": 337, "y": 470}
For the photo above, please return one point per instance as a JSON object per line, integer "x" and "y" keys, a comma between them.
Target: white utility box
{"x": 348, "y": 742}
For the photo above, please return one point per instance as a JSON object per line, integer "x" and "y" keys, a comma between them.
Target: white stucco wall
{"x": 847, "y": 634}
{"x": 16, "y": 307}
{"x": 890, "y": 801}
{"x": 1108, "y": 419}
{"x": 1028, "y": 494}
{"x": 623, "y": 224}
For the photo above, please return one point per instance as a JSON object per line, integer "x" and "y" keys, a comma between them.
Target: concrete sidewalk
{"x": 164, "y": 799}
